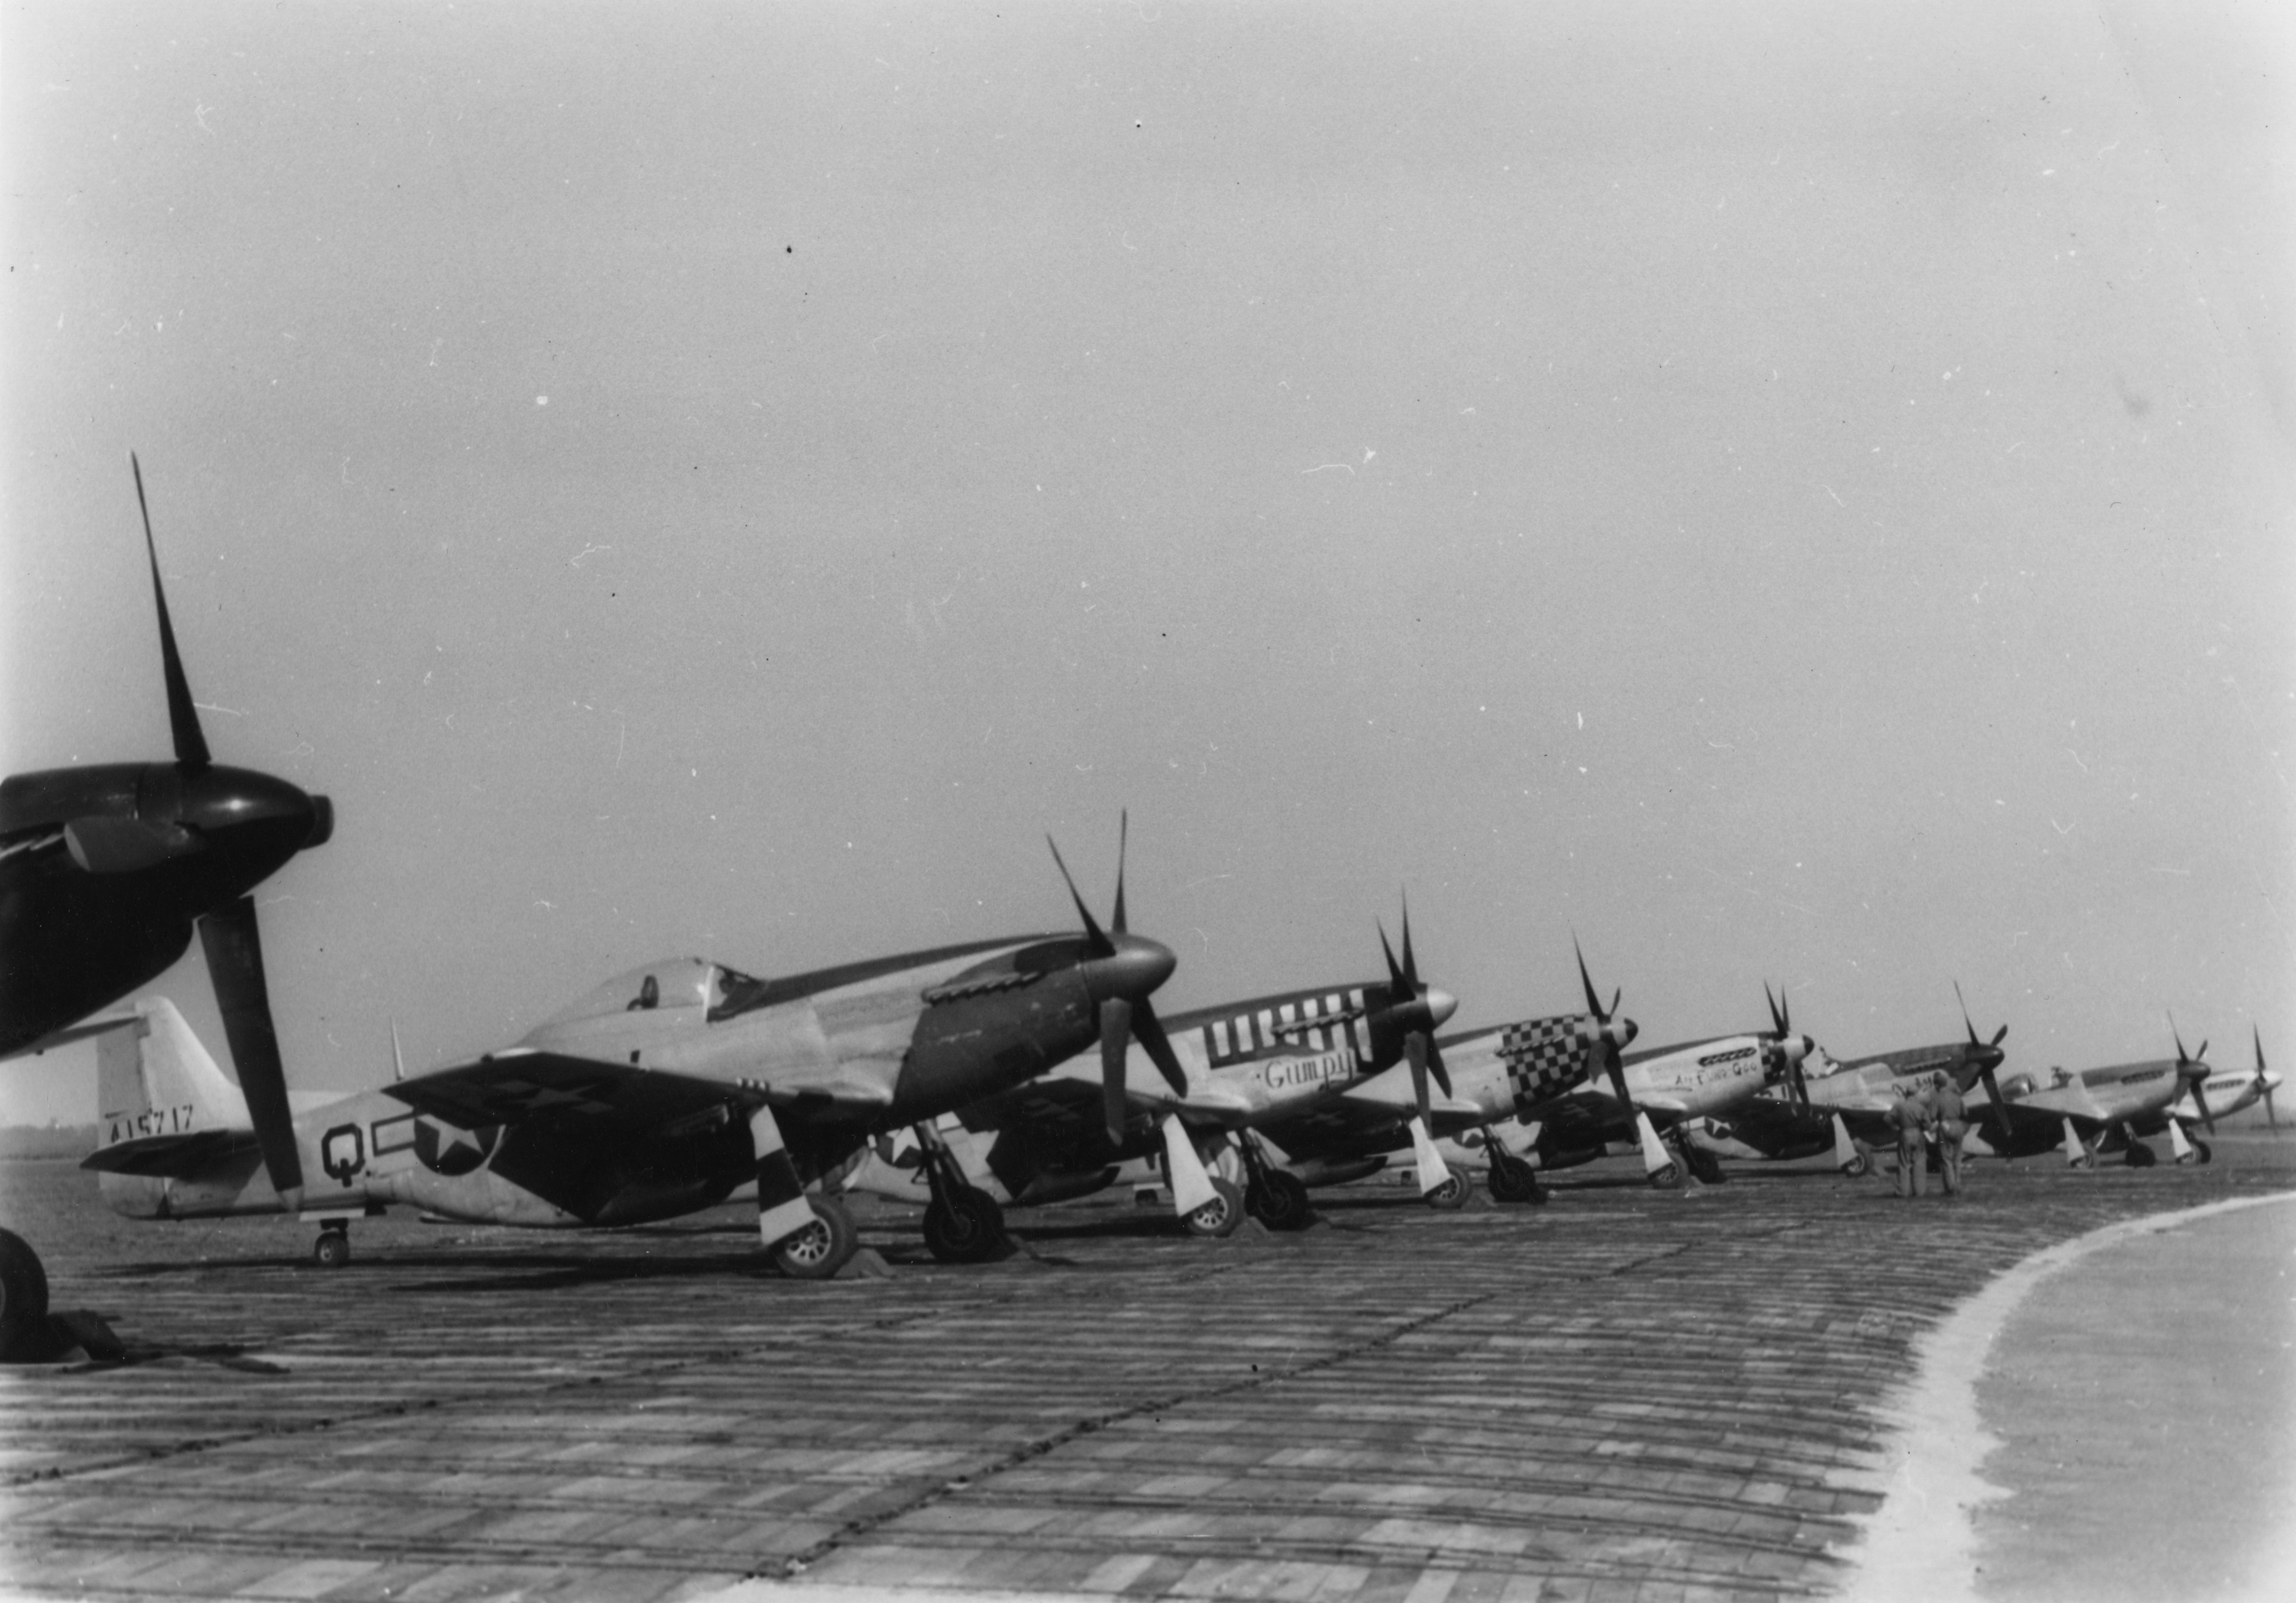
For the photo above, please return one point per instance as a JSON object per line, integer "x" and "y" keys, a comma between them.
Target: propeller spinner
{"x": 1988, "y": 1056}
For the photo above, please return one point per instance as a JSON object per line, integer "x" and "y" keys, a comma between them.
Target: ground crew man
{"x": 1952, "y": 1121}
{"x": 1910, "y": 1113}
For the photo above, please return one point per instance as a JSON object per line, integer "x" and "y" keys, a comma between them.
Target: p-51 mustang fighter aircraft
{"x": 2081, "y": 1114}
{"x": 1472, "y": 1086}
{"x": 1568, "y": 1120}
{"x": 2225, "y": 1093}
{"x": 659, "y": 1093}
{"x": 1239, "y": 1066}
{"x": 1846, "y": 1107}
{"x": 103, "y": 870}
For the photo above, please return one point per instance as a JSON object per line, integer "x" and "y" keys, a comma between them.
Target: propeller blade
{"x": 1410, "y": 964}
{"x": 2000, "y": 1110}
{"x": 1801, "y": 1084}
{"x": 2182, "y": 1056}
{"x": 1115, "y": 1036}
{"x": 1594, "y": 1002}
{"x": 1415, "y": 1047}
{"x": 2201, "y": 1097}
{"x": 182, "y": 718}
{"x": 1096, "y": 940}
{"x": 1964, "y": 1016}
{"x": 1435, "y": 1065}
{"x": 1777, "y": 1020}
{"x": 1394, "y": 975}
{"x": 234, "y": 953}
{"x": 1123, "y": 834}
{"x": 1148, "y": 1030}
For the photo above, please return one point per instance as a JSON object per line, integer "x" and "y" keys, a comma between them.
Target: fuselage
{"x": 839, "y": 1053}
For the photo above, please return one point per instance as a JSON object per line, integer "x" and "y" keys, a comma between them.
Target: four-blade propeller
{"x": 1122, "y": 1020}
{"x": 1613, "y": 1063}
{"x": 2264, "y": 1081}
{"x": 1416, "y": 1010}
{"x": 2193, "y": 1067}
{"x": 1782, "y": 1026}
{"x": 1987, "y": 1055}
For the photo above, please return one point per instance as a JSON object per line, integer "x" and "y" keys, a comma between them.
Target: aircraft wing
{"x": 526, "y": 1087}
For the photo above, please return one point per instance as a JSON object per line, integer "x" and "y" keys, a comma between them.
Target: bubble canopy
{"x": 688, "y": 983}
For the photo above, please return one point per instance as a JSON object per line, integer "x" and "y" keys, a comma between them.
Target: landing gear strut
{"x": 1276, "y": 1197}
{"x": 963, "y": 1222}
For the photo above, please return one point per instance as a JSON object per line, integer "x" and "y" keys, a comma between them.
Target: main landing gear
{"x": 963, "y": 1222}
{"x": 1450, "y": 1195}
{"x": 1276, "y": 1197}
{"x": 333, "y": 1250}
{"x": 1511, "y": 1179}
{"x": 1224, "y": 1216}
{"x": 821, "y": 1249}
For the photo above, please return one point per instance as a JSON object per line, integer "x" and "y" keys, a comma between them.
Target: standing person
{"x": 1952, "y": 1121}
{"x": 1910, "y": 1115}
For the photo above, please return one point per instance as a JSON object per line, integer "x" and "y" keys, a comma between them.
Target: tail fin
{"x": 164, "y": 1107}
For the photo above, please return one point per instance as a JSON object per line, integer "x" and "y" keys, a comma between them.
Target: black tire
{"x": 23, "y": 1298}
{"x": 1278, "y": 1199}
{"x": 1451, "y": 1196}
{"x": 2203, "y": 1151}
{"x": 1220, "y": 1216}
{"x": 2140, "y": 1156}
{"x": 1513, "y": 1181}
{"x": 970, "y": 1230}
{"x": 1860, "y": 1166}
{"x": 1703, "y": 1165}
{"x": 822, "y": 1248}
{"x": 1666, "y": 1177}
{"x": 333, "y": 1250}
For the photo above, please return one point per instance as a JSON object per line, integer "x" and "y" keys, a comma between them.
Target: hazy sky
{"x": 1797, "y": 493}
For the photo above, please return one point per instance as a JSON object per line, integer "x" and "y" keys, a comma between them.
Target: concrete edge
{"x": 1922, "y": 1543}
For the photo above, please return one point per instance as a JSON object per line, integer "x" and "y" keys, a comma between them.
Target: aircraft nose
{"x": 222, "y": 797}
{"x": 1441, "y": 1004}
{"x": 1991, "y": 1058}
{"x": 1627, "y": 1030}
{"x": 1136, "y": 968}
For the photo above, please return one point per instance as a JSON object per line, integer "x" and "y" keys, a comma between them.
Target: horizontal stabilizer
{"x": 184, "y": 1156}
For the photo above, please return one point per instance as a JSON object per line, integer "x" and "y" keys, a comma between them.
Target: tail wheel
{"x": 1449, "y": 1197}
{"x": 822, "y": 1248}
{"x": 1222, "y": 1214}
{"x": 969, "y": 1229}
{"x": 1667, "y": 1176}
{"x": 333, "y": 1250}
{"x": 23, "y": 1297}
{"x": 1278, "y": 1199}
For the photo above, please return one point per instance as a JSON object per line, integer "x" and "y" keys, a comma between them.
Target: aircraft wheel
{"x": 2088, "y": 1159}
{"x": 1860, "y": 1166}
{"x": 970, "y": 1229}
{"x": 1666, "y": 1177}
{"x": 1451, "y": 1196}
{"x": 1278, "y": 1199}
{"x": 821, "y": 1249}
{"x": 1513, "y": 1181}
{"x": 2140, "y": 1156}
{"x": 23, "y": 1297}
{"x": 1222, "y": 1214}
{"x": 2202, "y": 1150}
{"x": 333, "y": 1250}
{"x": 1704, "y": 1165}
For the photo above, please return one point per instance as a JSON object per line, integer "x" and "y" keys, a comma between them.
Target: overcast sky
{"x": 1783, "y": 492}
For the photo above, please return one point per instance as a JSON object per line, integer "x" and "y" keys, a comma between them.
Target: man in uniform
{"x": 1910, "y": 1113}
{"x": 1951, "y": 1120}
